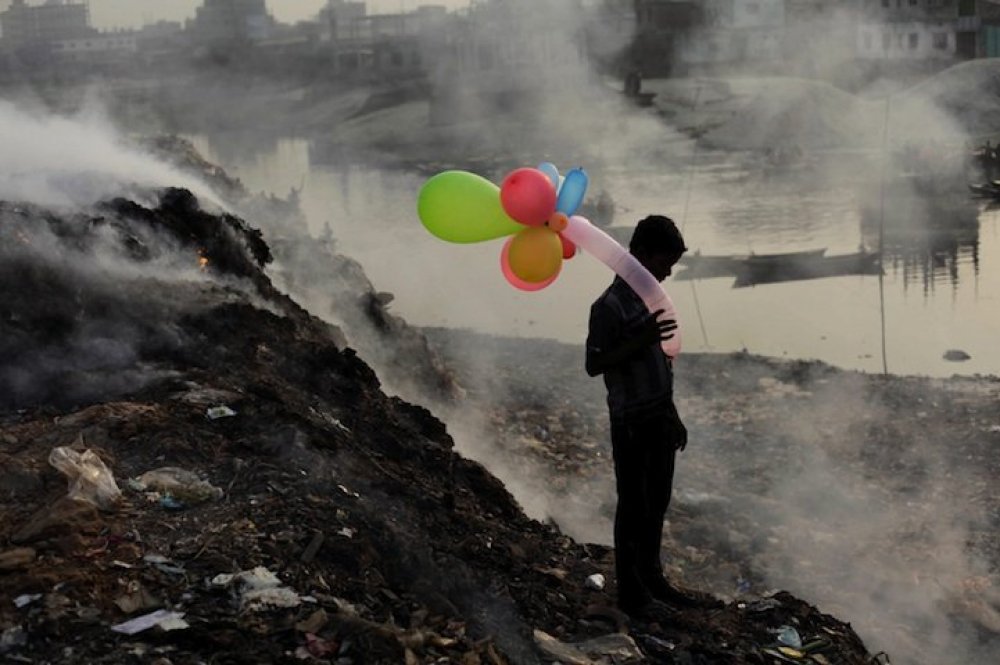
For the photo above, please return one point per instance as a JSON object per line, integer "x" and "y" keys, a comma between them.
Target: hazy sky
{"x": 133, "y": 13}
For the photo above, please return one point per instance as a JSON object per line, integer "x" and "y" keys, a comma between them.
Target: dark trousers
{"x": 644, "y": 451}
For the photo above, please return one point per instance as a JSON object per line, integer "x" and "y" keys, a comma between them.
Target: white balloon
{"x": 606, "y": 249}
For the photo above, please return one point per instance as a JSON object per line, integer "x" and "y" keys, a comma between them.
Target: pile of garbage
{"x": 798, "y": 476}
{"x": 193, "y": 468}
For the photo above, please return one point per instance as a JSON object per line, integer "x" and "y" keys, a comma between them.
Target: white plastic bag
{"x": 89, "y": 479}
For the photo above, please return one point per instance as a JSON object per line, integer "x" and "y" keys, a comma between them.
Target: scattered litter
{"x": 317, "y": 647}
{"x": 790, "y": 652}
{"x": 347, "y": 532}
{"x": 315, "y": 623}
{"x": 763, "y": 605}
{"x": 780, "y": 656}
{"x": 168, "y": 502}
{"x": 12, "y": 638}
{"x": 138, "y": 598}
{"x": 183, "y": 485}
{"x": 595, "y": 582}
{"x": 166, "y": 619}
{"x": 259, "y": 588}
{"x": 313, "y": 547}
{"x": 614, "y": 648}
{"x": 163, "y": 564}
{"x": 222, "y": 411}
{"x": 348, "y": 492}
{"x": 89, "y": 479}
{"x": 26, "y": 599}
{"x": 16, "y": 558}
{"x": 788, "y": 636}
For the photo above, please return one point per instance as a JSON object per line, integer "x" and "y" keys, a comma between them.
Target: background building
{"x": 221, "y": 22}
{"x": 40, "y": 25}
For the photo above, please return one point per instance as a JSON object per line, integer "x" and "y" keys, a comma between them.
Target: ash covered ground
{"x": 320, "y": 519}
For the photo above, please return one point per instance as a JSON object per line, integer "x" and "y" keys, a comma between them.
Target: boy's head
{"x": 658, "y": 244}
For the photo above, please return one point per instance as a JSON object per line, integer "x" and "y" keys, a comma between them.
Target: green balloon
{"x": 459, "y": 206}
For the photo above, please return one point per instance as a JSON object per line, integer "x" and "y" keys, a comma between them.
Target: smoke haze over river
{"x": 940, "y": 295}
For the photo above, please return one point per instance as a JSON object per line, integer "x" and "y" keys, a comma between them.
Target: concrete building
{"x": 988, "y": 12}
{"x": 506, "y": 44}
{"x": 662, "y": 29}
{"x": 677, "y": 36}
{"x": 820, "y": 35}
{"x": 401, "y": 43}
{"x": 23, "y": 25}
{"x": 918, "y": 30}
{"x": 505, "y": 54}
{"x": 221, "y": 22}
{"x": 99, "y": 49}
{"x": 738, "y": 31}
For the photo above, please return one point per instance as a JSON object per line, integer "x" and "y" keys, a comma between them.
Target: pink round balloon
{"x": 516, "y": 281}
{"x": 527, "y": 195}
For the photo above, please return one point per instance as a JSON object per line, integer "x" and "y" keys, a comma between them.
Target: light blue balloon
{"x": 573, "y": 189}
{"x": 549, "y": 169}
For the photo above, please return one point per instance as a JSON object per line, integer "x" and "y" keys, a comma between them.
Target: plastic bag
{"x": 89, "y": 479}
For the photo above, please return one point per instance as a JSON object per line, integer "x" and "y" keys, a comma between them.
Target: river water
{"x": 940, "y": 289}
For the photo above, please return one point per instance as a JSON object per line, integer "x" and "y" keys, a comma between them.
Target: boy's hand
{"x": 652, "y": 330}
{"x": 681, "y": 434}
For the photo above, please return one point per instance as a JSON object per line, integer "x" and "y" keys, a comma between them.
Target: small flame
{"x": 202, "y": 259}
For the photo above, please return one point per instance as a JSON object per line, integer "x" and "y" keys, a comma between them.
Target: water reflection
{"x": 929, "y": 236}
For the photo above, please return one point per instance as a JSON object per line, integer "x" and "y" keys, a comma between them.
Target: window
{"x": 867, "y": 41}
{"x": 753, "y": 8}
{"x": 886, "y": 41}
{"x": 940, "y": 40}
{"x": 914, "y": 40}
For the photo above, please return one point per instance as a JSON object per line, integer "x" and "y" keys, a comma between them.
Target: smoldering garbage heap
{"x": 295, "y": 511}
{"x": 799, "y": 476}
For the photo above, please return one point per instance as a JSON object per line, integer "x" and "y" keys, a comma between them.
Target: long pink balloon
{"x": 606, "y": 249}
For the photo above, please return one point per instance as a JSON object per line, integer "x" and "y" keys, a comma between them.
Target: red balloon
{"x": 527, "y": 195}
{"x": 568, "y": 246}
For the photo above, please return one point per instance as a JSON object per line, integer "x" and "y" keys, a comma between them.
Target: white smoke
{"x": 51, "y": 160}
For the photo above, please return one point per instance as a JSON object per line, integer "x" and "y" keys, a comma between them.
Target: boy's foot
{"x": 666, "y": 592}
{"x": 649, "y": 610}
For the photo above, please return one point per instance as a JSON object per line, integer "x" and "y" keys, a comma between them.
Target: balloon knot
{"x": 558, "y": 222}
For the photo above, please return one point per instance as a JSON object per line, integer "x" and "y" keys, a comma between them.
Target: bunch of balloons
{"x": 535, "y": 207}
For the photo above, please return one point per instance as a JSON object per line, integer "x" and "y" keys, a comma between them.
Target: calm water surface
{"x": 941, "y": 280}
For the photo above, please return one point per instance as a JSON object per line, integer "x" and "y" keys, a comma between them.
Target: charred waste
{"x": 240, "y": 481}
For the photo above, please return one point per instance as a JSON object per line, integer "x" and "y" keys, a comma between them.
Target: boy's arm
{"x": 606, "y": 349}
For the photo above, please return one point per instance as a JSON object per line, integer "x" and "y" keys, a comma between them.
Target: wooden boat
{"x": 699, "y": 266}
{"x": 754, "y": 272}
{"x": 986, "y": 190}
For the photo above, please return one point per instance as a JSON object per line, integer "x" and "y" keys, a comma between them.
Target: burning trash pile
{"x": 193, "y": 468}
{"x": 872, "y": 496}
